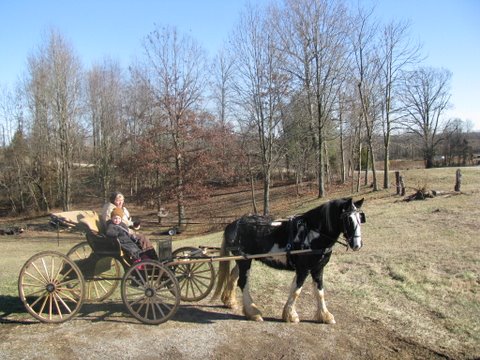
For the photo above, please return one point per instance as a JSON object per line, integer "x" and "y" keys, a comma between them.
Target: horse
{"x": 315, "y": 232}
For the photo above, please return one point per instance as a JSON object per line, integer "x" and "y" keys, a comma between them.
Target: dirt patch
{"x": 205, "y": 330}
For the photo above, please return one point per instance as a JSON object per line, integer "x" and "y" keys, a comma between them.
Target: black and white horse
{"x": 317, "y": 229}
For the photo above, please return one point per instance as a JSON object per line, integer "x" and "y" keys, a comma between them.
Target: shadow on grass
{"x": 117, "y": 312}
{"x": 12, "y": 311}
{"x": 11, "y": 305}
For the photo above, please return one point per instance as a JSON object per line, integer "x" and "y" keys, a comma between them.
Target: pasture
{"x": 413, "y": 291}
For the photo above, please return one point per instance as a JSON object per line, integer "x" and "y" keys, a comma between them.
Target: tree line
{"x": 313, "y": 88}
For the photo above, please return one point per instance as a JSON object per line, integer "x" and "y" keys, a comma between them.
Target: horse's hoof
{"x": 257, "y": 318}
{"x": 253, "y": 314}
{"x": 231, "y": 305}
{"x": 290, "y": 317}
{"x": 292, "y": 320}
{"x": 327, "y": 319}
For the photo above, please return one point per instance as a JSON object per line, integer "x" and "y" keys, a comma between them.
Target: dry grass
{"x": 419, "y": 270}
{"x": 418, "y": 273}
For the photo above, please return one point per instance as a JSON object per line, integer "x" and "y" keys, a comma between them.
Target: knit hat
{"x": 116, "y": 212}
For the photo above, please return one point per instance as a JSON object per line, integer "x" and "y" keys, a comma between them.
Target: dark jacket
{"x": 127, "y": 241}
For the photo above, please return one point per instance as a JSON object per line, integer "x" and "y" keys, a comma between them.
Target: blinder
{"x": 363, "y": 218}
{"x": 348, "y": 224}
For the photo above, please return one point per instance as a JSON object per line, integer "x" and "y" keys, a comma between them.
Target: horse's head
{"x": 352, "y": 217}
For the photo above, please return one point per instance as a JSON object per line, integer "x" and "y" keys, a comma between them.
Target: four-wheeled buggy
{"x": 53, "y": 286}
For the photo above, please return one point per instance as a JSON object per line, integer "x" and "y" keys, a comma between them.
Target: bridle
{"x": 347, "y": 225}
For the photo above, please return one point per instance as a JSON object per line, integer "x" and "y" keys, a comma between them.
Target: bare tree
{"x": 426, "y": 97}
{"x": 177, "y": 68}
{"x": 397, "y": 54}
{"x": 298, "y": 139}
{"x": 140, "y": 119}
{"x": 313, "y": 36}
{"x": 104, "y": 106}
{"x": 54, "y": 90}
{"x": 368, "y": 65}
{"x": 223, "y": 98}
{"x": 11, "y": 114}
{"x": 261, "y": 86}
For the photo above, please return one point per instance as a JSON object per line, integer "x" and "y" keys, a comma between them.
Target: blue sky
{"x": 448, "y": 29}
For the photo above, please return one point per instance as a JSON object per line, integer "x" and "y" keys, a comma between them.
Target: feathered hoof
{"x": 229, "y": 301}
{"x": 254, "y": 314}
{"x": 326, "y": 318}
{"x": 290, "y": 316}
{"x": 257, "y": 318}
{"x": 231, "y": 305}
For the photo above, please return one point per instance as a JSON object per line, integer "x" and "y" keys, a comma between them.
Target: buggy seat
{"x": 90, "y": 223}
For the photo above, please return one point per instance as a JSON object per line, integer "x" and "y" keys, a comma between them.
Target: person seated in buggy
{"x": 130, "y": 243}
{"x": 117, "y": 201}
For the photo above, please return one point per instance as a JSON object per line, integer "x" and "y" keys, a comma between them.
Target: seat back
{"x": 103, "y": 245}
{"x": 89, "y": 221}
{"x": 91, "y": 224}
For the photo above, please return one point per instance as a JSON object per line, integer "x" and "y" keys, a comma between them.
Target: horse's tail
{"x": 224, "y": 266}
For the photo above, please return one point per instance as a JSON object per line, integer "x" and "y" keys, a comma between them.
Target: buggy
{"x": 53, "y": 286}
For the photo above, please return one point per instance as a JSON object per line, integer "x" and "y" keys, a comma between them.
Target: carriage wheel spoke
{"x": 44, "y": 297}
{"x": 63, "y": 303}
{"x": 55, "y": 300}
{"x": 42, "y": 280}
{"x": 39, "y": 291}
{"x": 42, "y": 275}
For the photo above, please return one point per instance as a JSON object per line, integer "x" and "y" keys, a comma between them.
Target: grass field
{"x": 418, "y": 273}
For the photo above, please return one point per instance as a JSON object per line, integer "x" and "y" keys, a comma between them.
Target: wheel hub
{"x": 149, "y": 292}
{"x": 50, "y": 287}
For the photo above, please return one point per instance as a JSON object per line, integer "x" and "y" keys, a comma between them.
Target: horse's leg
{"x": 229, "y": 297}
{"x": 289, "y": 313}
{"x": 250, "y": 310}
{"x": 322, "y": 315}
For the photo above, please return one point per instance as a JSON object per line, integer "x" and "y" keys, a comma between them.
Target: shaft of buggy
{"x": 206, "y": 259}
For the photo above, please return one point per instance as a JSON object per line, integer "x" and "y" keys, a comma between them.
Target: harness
{"x": 300, "y": 238}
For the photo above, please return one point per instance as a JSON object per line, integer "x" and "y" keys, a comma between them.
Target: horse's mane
{"x": 261, "y": 220}
{"x": 323, "y": 215}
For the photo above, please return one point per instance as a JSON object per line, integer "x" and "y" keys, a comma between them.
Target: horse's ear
{"x": 358, "y": 204}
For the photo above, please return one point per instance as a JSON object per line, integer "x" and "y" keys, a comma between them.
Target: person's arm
{"x": 126, "y": 218}
{"x": 112, "y": 230}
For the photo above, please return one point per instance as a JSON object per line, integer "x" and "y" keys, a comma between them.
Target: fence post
{"x": 458, "y": 180}
{"x": 397, "y": 181}
{"x": 402, "y": 186}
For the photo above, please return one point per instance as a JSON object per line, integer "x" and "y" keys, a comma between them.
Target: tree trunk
{"x": 386, "y": 164}
{"x": 359, "y": 172}
{"x": 374, "y": 169}
{"x": 321, "y": 164}
{"x": 252, "y": 186}
{"x": 343, "y": 177}
{"x": 365, "y": 180}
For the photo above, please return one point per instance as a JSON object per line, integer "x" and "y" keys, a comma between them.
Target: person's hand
{"x": 136, "y": 225}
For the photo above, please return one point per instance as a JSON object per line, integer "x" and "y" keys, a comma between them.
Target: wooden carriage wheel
{"x": 51, "y": 287}
{"x": 104, "y": 276}
{"x": 150, "y": 292}
{"x": 196, "y": 280}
